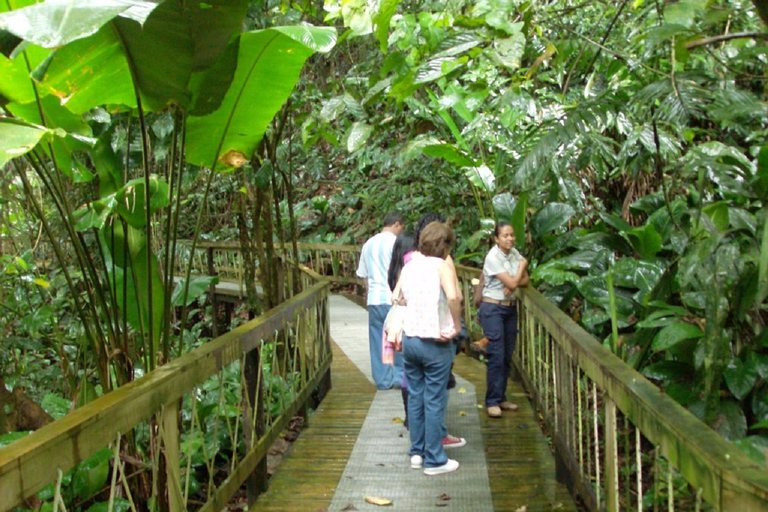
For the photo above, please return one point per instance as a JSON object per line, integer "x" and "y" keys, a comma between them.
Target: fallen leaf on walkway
{"x": 524, "y": 508}
{"x": 462, "y": 390}
{"x": 444, "y": 497}
{"x": 479, "y": 406}
{"x": 441, "y": 504}
{"x": 373, "y": 500}
{"x": 397, "y": 419}
{"x": 349, "y": 508}
{"x": 462, "y": 413}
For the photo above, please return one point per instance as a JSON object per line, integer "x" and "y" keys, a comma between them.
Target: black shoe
{"x": 451, "y": 381}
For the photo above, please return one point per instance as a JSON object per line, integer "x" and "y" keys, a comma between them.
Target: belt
{"x": 508, "y": 303}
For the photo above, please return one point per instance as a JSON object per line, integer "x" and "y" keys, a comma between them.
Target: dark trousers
{"x": 500, "y": 327}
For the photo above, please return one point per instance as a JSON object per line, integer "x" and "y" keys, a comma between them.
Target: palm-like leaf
{"x": 269, "y": 63}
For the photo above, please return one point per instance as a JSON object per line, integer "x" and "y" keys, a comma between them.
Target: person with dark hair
{"x": 405, "y": 244}
{"x": 503, "y": 272}
{"x": 374, "y": 263}
{"x": 432, "y": 318}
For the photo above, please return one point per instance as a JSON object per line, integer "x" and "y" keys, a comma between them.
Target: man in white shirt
{"x": 374, "y": 266}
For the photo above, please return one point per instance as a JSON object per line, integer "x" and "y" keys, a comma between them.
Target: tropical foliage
{"x": 625, "y": 142}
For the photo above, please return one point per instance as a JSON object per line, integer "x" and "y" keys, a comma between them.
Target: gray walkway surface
{"x": 379, "y": 465}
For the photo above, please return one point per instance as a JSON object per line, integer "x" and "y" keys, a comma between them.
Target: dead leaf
{"x": 444, "y": 497}
{"x": 374, "y": 500}
{"x": 462, "y": 413}
{"x": 441, "y": 504}
{"x": 524, "y": 508}
{"x": 349, "y": 508}
{"x": 233, "y": 158}
{"x": 462, "y": 390}
{"x": 397, "y": 419}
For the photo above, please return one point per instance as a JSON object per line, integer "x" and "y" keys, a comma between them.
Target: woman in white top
{"x": 504, "y": 270}
{"x": 432, "y": 319}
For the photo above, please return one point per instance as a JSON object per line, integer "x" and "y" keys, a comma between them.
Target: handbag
{"x": 393, "y": 323}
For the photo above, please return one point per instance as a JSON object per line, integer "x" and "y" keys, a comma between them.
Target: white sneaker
{"x": 451, "y": 465}
{"x": 417, "y": 461}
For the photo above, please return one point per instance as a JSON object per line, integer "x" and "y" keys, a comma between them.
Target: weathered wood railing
{"x": 336, "y": 263}
{"x": 626, "y": 445}
{"x": 188, "y": 410}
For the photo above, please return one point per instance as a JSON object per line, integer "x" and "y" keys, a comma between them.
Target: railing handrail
{"x": 697, "y": 452}
{"x": 32, "y": 462}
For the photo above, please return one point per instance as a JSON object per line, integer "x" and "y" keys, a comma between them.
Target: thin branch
{"x": 726, "y": 37}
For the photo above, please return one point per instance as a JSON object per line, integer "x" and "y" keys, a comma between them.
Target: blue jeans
{"x": 384, "y": 375}
{"x": 427, "y": 367}
{"x": 500, "y": 327}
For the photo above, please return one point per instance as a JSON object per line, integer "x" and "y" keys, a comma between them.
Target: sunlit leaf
{"x": 57, "y": 22}
{"x": 358, "y": 135}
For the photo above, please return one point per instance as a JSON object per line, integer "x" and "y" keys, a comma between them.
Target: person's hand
{"x": 507, "y": 292}
{"x": 446, "y": 337}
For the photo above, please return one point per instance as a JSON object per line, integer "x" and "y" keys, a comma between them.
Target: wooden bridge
{"x": 195, "y": 433}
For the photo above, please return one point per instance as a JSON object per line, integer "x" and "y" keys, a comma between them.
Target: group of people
{"x": 415, "y": 271}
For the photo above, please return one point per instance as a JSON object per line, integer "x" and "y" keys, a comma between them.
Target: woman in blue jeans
{"x": 433, "y": 317}
{"x": 504, "y": 270}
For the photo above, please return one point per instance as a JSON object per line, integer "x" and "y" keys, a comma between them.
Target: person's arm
{"x": 477, "y": 290}
{"x": 519, "y": 279}
{"x": 449, "y": 283}
{"x": 450, "y": 262}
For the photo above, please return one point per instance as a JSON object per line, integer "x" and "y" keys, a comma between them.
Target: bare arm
{"x": 449, "y": 283}
{"x": 519, "y": 279}
{"x": 450, "y": 262}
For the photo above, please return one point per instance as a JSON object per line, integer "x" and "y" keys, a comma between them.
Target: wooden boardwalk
{"x": 520, "y": 467}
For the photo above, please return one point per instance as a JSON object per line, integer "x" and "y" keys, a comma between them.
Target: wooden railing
{"x": 165, "y": 432}
{"x": 626, "y": 445}
{"x": 336, "y": 263}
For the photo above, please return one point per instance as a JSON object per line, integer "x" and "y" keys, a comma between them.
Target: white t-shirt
{"x": 496, "y": 262}
{"x": 374, "y": 266}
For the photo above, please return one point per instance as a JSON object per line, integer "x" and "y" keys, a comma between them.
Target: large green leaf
{"x": 131, "y": 278}
{"x": 91, "y": 474}
{"x": 357, "y": 135}
{"x": 197, "y": 286}
{"x": 16, "y": 84}
{"x": 131, "y": 203}
{"x": 381, "y": 21}
{"x": 18, "y": 138}
{"x": 57, "y": 22}
{"x": 449, "y": 152}
{"x": 673, "y": 334}
{"x": 740, "y": 377}
{"x": 269, "y": 63}
{"x": 549, "y": 218}
{"x": 160, "y": 55}
{"x": 69, "y": 73}
{"x": 645, "y": 240}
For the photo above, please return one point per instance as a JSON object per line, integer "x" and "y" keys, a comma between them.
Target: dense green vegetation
{"x": 626, "y": 142}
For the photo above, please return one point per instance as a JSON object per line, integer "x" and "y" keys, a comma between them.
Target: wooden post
{"x": 170, "y": 435}
{"x": 611, "y": 458}
{"x": 212, "y": 291}
{"x": 256, "y": 482}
